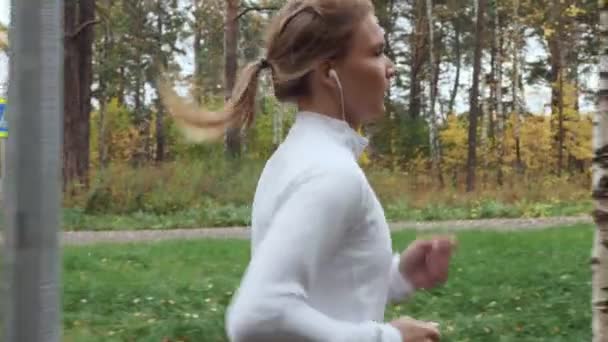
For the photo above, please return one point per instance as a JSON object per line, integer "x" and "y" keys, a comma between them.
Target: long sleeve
{"x": 399, "y": 287}
{"x": 271, "y": 305}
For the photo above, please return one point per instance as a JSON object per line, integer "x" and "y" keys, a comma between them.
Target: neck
{"x": 327, "y": 109}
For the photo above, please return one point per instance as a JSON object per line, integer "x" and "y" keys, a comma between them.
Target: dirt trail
{"x": 88, "y": 237}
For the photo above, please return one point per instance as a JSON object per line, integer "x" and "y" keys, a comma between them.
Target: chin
{"x": 378, "y": 113}
{"x": 373, "y": 117}
{"x": 371, "y": 114}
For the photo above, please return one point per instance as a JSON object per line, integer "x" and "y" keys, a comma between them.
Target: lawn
{"x": 523, "y": 286}
{"x": 214, "y": 215}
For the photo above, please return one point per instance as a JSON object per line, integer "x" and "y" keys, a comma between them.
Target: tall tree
{"x": 161, "y": 13}
{"x": 231, "y": 34}
{"x": 79, "y": 18}
{"x": 419, "y": 51}
{"x": 457, "y": 24}
{"x": 500, "y": 115}
{"x": 600, "y": 192}
{"x": 197, "y": 28}
{"x": 208, "y": 32}
{"x": 474, "y": 100}
{"x": 102, "y": 69}
{"x": 556, "y": 56}
{"x": 516, "y": 43}
{"x": 433, "y": 78}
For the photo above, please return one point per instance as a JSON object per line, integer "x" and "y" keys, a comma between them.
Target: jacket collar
{"x": 338, "y": 129}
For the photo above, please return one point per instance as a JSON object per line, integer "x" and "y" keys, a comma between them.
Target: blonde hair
{"x": 304, "y": 33}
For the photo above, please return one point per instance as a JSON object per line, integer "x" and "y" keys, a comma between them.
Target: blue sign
{"x": 3, "y": 123}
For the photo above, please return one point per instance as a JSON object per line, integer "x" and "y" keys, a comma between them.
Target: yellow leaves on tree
{"x": 537, "y": 143}
{"x": 120, "y": 136}
{"x": 577, "y": 127}
{"x": 454, "y": 139}
{"x": 574, "y": 11}
{"x": 577, "y": 140}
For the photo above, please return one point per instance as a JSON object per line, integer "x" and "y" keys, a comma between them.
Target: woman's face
{"x": 365, "y": 73}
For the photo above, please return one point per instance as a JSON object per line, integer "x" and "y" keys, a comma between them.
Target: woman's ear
{"x": 325, "y": 74}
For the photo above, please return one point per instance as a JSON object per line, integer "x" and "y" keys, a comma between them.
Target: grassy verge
{"x": 524, "y": 286}
{"x": 214, "y": 192}
{"x": 231, "y": 215}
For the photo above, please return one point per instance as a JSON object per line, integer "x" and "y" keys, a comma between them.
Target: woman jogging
{"x": 322, "y": 266}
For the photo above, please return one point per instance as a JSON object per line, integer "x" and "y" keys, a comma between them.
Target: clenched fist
{"x": 425, "y": 263}
{"x": 413, "y": 330}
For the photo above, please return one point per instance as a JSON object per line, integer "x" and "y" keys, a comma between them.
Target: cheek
{"x": 369, "y": 84}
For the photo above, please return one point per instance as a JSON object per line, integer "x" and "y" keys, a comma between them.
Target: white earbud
{"x": 333, "y": 74}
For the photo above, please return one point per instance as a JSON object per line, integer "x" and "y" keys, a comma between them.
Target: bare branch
{"x": 82, "y": 27}
{"x": 257, "y": 9}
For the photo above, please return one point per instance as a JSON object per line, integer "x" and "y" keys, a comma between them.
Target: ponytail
{"x": 201, "y": 125}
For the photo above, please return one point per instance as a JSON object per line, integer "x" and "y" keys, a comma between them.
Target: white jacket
{"x": 322, "y": 266}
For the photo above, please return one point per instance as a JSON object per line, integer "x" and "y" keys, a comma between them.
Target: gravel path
{"x": 92, "y": 237}
{"x": 86, "y": 237}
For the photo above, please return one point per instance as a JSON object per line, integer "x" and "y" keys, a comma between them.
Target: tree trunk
{"x": 104, "y": 96}
{"x": 140, "y": 153}
{"x": 231, "y": 31}
{"x": 102, "y": 148}
{"x": 198, "y": 60}
{"x": 121, "y": 85}
{"x": 418, "y": 43}
{"x": 433, "y": 75}
{"x": 516, "y": 43}
{"x": 160, "y": 132}
{"x": 458, "y": 57}
{"x": 560, "y": 132}
{"x": 474, "y": 100}
{"x": 600, "y": 192}
{"x": 500, "y": 115}
{"x": 556, "y": 55}
{"x": 574, "y": 61}
{"x": 483, "y": 113}
{"x": 78, "y": 73}
{"x": 492, "y": 99}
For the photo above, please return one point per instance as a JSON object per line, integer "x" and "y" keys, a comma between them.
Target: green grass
{"x": 523, "y": 286}
{"x": 215, "y": 215}
{"x": 224, "y": 215}
{"x": 209, "y": 190}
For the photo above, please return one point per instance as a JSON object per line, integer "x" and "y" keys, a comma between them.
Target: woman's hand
{"x": 425, "y": 263}
{"x": 413, "y": 330}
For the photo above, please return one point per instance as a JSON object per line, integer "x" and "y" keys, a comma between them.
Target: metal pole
{"x": 32, "y": 202}
{"x": 2, "y": 168}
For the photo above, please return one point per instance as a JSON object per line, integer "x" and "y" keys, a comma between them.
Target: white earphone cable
{"x": 337, "y": 79}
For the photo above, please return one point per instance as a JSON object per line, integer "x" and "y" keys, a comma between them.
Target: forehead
{"x": 368, "y": 34}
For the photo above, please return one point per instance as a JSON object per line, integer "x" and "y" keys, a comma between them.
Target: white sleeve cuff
{"x": 390, "y": 334}
{"x": 400, "y": 287}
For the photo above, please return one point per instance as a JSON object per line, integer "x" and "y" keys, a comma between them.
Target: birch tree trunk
{"x": 599, "y": 259}
{"x": 198, "y": 47}
{"x": 484, "y": 120}
{"x": 500, "y": 115}
{"x": 434, "y": 142}
{"x": 515, "y": 85}
{"x": 458, "y": 63}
